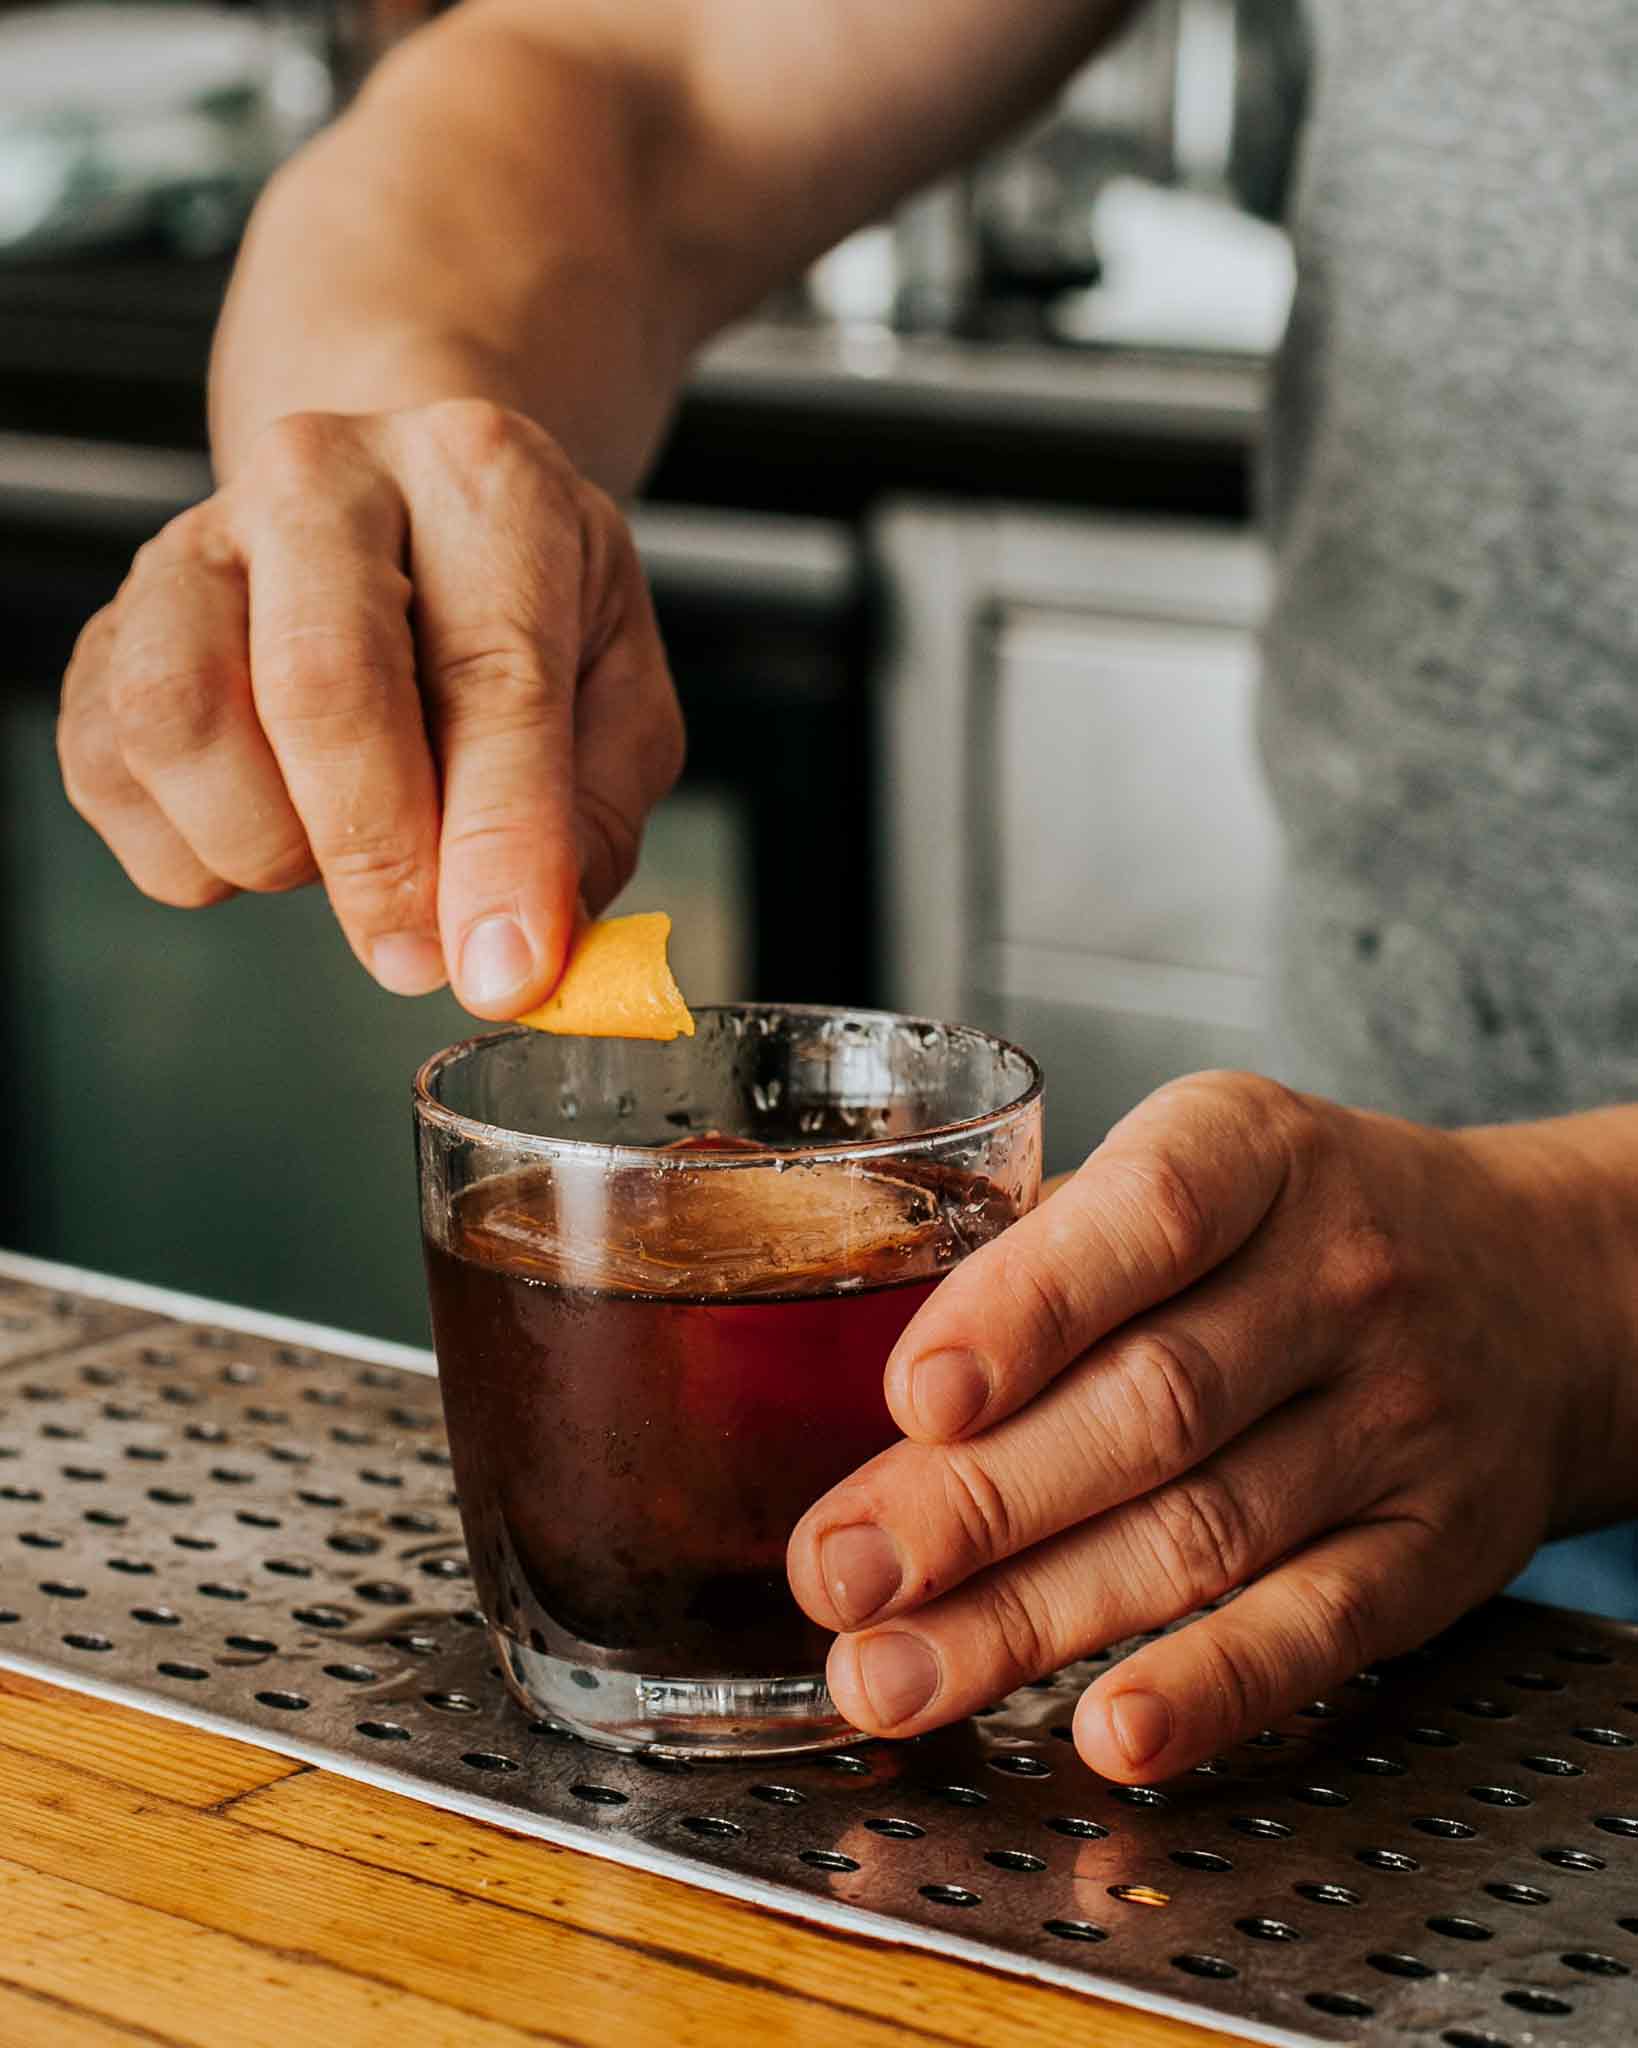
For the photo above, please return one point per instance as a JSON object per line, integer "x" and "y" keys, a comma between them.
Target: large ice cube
{"x": 761, "y": 1230}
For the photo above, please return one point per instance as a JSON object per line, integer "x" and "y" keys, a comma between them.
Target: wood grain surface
{"x": 161, "y": 1885}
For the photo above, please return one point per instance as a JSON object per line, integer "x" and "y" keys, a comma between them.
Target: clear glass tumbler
{"x": 665, "y": 1280}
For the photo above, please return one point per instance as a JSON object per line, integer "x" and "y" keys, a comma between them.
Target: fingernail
{"x": 899, "y": 1675}
{"x": 496, "y": 961}
{"x": 861, "y": 1570}
{"x": 948, "y": 1392}
{"x": 408, "y": 964}
{"x": 1141, "y": 1723}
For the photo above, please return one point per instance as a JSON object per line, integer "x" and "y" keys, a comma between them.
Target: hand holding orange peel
{"x": 617, "y": 984}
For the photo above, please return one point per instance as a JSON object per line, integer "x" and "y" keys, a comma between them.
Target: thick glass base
{"x": 683, "y": 1717}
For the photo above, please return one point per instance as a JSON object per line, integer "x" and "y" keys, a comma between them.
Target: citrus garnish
{"x": 617, "y": 984}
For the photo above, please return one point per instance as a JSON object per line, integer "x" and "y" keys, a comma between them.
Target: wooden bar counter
{"x": 163, "y": 1885}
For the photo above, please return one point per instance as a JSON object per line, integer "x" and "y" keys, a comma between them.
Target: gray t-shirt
{"x": 1450, "y": 717}
{"x": 1450, "y": 710}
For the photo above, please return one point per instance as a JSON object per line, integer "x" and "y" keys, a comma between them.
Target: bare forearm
{"x": 551, "y": 205}
{"x": 488, "y": 242}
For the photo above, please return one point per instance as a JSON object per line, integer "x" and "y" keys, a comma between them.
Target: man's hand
{"x": 1359, "y": 1367}
{"x": 408, "y": 654}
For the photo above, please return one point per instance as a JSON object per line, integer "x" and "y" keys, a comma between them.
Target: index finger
{"x": 496, "y": 551}
{"x": 1177, "y": 1187}
{"x": 333, "y": 675}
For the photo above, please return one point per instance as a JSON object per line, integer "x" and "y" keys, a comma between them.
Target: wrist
{"x": 1567, "y": 1189}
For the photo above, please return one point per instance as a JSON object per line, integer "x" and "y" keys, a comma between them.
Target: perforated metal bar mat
{"x": 255, "y": 1531}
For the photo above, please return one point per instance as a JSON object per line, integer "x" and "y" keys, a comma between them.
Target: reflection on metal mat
{"x": 254, "y": 1531}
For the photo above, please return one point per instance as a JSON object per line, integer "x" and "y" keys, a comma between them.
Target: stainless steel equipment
{"x": 252, "y": 1528}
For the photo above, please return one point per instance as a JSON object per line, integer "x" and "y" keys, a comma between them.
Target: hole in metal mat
{"x": 291, "y": 1702}
{"x": 826, "y": 1859}
{"x": 1341, "y": 2005}
{"x": 598, "y": 1795}
{"x": 1457, "y": 1927}
{"x": 1393, "y": 1963}
{"x": 84, "y": 1640}
{"x": 1446, "y": 1829}
{"x": 383, "y": 1731}
{"x": 896, "y": 1830}
{"x": 950, "y": 1895}
{"x": 323, "y": 1617}
{"x": 488, "y": 1760}
{"x": 1012, "y": 1765}
{"x": 784, "y": 1795}
{"x": 1320, "y": 1795}
{"x": 958, "y": 1795}
{"x": 1544, "y": 2004}
{"x": 350, "y": 1674}
{"x": 1201, "y": 1859}
{"x": 1204, "y": 1966}
{"x": 1592, "y": 1963}
{"x": 1074, "y": 1930}
{"x": 1329, "y": 1894}
{"x": 1078, "y": 1829}
{"x": 1260, "y": 1827}
{"x": 1014, "y": 1859}
{"x": 1519, "y": 1894}
{"x": 1261, "y": 1928}
{"x": 1572, "y": 1859}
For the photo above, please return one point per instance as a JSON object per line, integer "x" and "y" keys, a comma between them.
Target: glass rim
{"x": 430, "y": 1111}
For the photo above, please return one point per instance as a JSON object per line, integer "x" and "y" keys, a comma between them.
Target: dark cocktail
{"x": 654, "y": 1357}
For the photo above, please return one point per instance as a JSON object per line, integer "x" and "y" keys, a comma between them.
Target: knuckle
{"x": 977, "y": 1506}
{"x": 381, "y": 869}
{"x": 493, "y": 689}
{"x": 297, "y": 451}
{"x": 90, "y": 769}
{"x": 1202, "y": 1538}
{"x": 617, "y": 842}
{"x": 473, "y": 433}
{"x": 196, "y": 890}
{"x": 1236, "y": 1678}
{"x": 493, "y": 844}
{"x": 1027, "y": 1277}
{"x": 665, "y": 744}
{"x": 1362, "y": 1268}
{"x": 1173, "y": 1208}
{"x": 161, "y": 711}
{"x": 1016, "y": 1630}
{"x": 1177, "y": 1388}
{"x": 1339, "y": 1609}
{"x": 329, "y": 685}
{"x": 276, "y": 870}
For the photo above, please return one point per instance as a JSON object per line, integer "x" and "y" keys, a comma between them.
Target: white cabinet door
{"x": 1126, "y": 814}
{"x": 1077, "y": 847}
